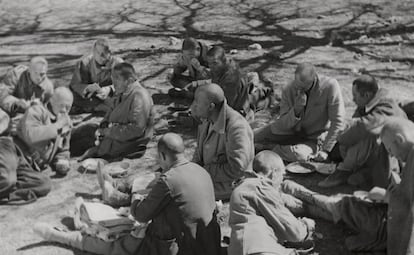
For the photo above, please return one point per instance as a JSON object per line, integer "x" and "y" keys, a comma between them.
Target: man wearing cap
{"x": 24, "y": 85}
{"x": 91, "y": 81}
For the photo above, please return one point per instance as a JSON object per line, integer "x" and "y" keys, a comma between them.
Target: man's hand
{"x": 63, "y": 122}
{"x": 310, "y": 224}
{"x": 300, "y": 103}
{"x": 104, "y": 92}
{"x": 90, "y": 90}
{"x": 22, "y": 104}
{"x": 378, "y": 194}
{"x": 395, "y": 181}
{"x": 196, "y": 64}
{"x": 320, "y": 156}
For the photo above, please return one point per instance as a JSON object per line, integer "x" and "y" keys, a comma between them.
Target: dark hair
{"x": 366, "y": 83}
{"x": 190, "y": 44}
{"x": 125, "y": 70}
{"x": 217, "y": 51}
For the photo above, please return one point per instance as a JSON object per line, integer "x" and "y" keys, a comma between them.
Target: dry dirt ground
{"x": 341, "y": 37}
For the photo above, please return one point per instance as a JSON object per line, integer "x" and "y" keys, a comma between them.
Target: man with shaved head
{"x": 180, "y": 208}
{"x": 311, "y": 116}
{"x": 363, "y": 160}
{"x": 91, "y": 81}
{"x": 42, "y": 139}
{"x": 224, "y": 140}
{"x": 259, "y": 219}
{"x": 24, "y": 85}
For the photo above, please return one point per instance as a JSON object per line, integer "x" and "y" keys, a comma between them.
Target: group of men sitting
{"x": 180, "y": 205}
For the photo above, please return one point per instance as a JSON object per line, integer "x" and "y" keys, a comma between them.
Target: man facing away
{"x": 311, "y": 116}
{"x": 91, "y": 81}
{"x": 180, "y": 206}
{"x": 259, "y": 219}
{"x": 224, "y": 139}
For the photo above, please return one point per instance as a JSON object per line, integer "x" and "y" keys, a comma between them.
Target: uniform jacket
{"x": 182, "y": 65}
{"x": 130, "y": 119}
{"x": 225, "y": 149}
{"x": 400, "y": 240}
{"x": 259, "y": 220}
{"x": 181, "y": 206}
{"x": 87, "y": 71}
{"x": 41, "y": 140}
{"x": 370, "y": 119}
{"x": 17, "y": 84}
{"x": 324, "y": 111}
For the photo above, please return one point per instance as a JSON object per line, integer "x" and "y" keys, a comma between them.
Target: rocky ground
{"x": 341, "y": 37}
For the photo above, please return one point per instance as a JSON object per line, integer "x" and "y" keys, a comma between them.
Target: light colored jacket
{"x": 225, "y": 149}
{"x": 17, "y": 84}
{"x": 42, "y": 141}
{"x": 259, "y": 220}
{"x": 325, "y": 111}
{"x": 87, "y": 71}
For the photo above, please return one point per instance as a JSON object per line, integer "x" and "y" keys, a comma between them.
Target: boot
{"x": 50, "y": 233}
{"x": 114, "y": 197}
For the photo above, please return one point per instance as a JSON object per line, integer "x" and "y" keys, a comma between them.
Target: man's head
{"x": 191, "y": 48}
{"x": 216, "y": 58}
{"x": 398, "y": 136}
{"x": 38, "y": 69}
{"x": 61, "y": 100}
{"x": 170, "y": 148}
{"x": 270, "y": 165}
{"x": 208, "y": 100}
{"x": 305, "y": 75}
{"x": 364, "y": 89}
{"x": 122, "y": 75}
{"x": 101, "y": 51}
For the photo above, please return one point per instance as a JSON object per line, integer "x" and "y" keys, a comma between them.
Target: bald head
{"x": 305, "y": 75}
{"x": 266, "y": 162}
{"x": 213, "y": 92}
{"x": 397, "y": 135}
{"x": 171, "y": 144}
{"x": 61, "y": 100}
{"x": 38, "y": 69}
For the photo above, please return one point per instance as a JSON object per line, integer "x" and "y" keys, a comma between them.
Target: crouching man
{"x": 259, "y": 219}
{"x": 180, "y": 206}
{"x": 42, "y": 140}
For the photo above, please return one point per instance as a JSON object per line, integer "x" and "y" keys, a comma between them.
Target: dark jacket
{"x": 181, "y": 206}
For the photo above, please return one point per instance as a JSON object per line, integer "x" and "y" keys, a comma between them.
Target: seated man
{"x": 180, "y": 206}
{"x": 360, "y": 150}
{"x": 91, "y": 81}
{"x": 23, "y": 85}
{"x": 128, "y": 125}
{"x": 43, "y": 133}
{"x": 259, "y": 220}
{"x": 311, "y": 105}
{"x": 193, "y": 59}
{"x": 42, "y": 138}
{"x": 378, "y": 226}
{"x": 224, "y": 140}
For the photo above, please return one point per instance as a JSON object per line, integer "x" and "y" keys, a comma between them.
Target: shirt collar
{"x": 220, "y": 125}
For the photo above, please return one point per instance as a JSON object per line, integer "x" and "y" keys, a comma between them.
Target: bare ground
{"x": 341, "y": 37}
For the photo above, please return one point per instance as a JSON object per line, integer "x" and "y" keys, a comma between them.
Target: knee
{"x": 7, "y": 182}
